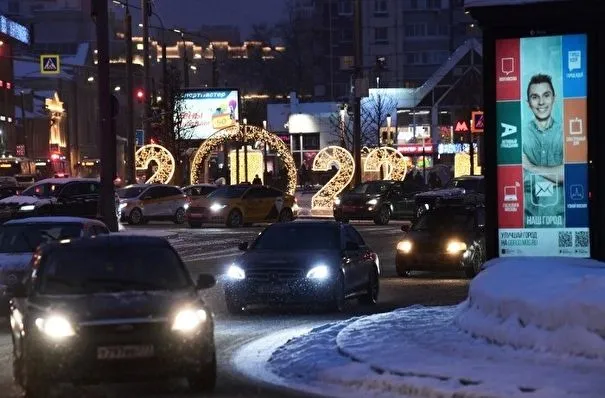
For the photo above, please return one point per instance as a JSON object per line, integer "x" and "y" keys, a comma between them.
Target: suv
{"x": 460, "y": 190}
{"x": 76, "y": 197}
{"x": 140, "y": 203}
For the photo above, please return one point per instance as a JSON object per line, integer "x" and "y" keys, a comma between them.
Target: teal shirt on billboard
{"x": 544, "y": 200}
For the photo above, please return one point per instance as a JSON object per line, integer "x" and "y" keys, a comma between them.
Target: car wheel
{"x": 383, "y": 216}
{"x": 179, "y": 216}
{"x": 204, "y": 379}
{"x": 420, "y": 211}
{"x": 135, "y": 217}
{"x": 338, "y": 301}
{"x": 233, "y": 306}
{"x": 195, "y": 224}
{"x": 235, "y": 219}
{"x": 286, "y": 215}
{"x": 371, "y": 297}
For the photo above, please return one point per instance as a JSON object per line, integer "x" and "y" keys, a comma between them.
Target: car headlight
{"x": 186, "y": 206}
{"x": 122, "y": 206}
{"x": 318, "y": 272}
{"x": 27, "y": 208}
{"x": 404, "y": 246}
{"x": 55, "y": 326}
{"x": 372, "y": 202}
{"x": 455, "y": 247}
{"x": 427, "y": 206}
{"x": 188, "y": 320}
{"x": 337, "y": 201}
{"x": 235, "y": 272}
{"x": 217, "y": 207}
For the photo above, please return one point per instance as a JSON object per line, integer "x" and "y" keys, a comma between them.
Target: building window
{"x": 345, "y": 35}
{"x": 381, "y": 35}
{"x": 433, "y": 4}
{"x": 345, "y": 7}
{"x": 415, "y": 30}
{"x": 444, "y": 30}
{"x": 416, "y": 58}
{"x": 380, "y": 8}
{"x": 310, "y": 141}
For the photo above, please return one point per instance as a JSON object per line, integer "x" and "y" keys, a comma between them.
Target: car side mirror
{"x": 406, "y": 227}
{"x": 205, "y": 281}
{"x": 243, "y": 246}
{"x": 19, "y": 290}
{"x": 352, "y": 246}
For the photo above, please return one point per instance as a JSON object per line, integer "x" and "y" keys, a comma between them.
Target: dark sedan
{"x": 380, "y": 201}
{"x": 111, "y": 309}
{"x": 307, "y": 262}
{"x": 448, "y": 238}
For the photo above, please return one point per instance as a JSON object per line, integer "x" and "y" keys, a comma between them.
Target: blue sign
{"x": 140, "y": 137}
{"x": 14, "y": 30}
{"x": 576, "y": 196}
{"x": 574, "y": 66}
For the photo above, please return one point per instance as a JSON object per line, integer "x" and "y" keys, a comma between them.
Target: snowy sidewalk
{"x": 531, "y": 328}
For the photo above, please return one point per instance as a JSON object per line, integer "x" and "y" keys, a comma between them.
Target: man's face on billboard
{"x": 541, "y": 99}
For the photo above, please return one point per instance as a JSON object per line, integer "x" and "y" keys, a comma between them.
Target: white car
{"x": 140, "y": 203}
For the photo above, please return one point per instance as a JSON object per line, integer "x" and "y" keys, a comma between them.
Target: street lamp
{"x": 388, "y": 140}
{"x": 245, "y": 121}
{"x": 266, "y": 173}
{"x": 343, "y": 113}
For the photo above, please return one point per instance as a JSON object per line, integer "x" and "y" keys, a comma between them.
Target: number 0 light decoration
{"x": 239, "y": 132}
{"x": 324, "y": 160}
{"x": 162, "y": 157}
{"x": 394, "y": 162}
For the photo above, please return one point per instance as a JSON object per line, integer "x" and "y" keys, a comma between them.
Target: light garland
{"x": 390, "y": 159}
{"x": 162, "y": 157}
{"x": 462, "y": 164}
{"x": 237, "y": 133}
{"x": 255, "y": 165}
{"x": 324, "y": 160}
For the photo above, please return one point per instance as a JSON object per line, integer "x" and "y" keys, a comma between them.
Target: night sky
{"x": 191, "y": 14}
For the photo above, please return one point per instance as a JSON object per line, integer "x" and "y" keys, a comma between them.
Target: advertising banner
{"x": 202, "y": 113}
{"x": 542, "y": 147}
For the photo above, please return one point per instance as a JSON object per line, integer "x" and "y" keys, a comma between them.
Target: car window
{"x": 44, "y": 190}
{"x": 206, "y": 190}
{"x": 130, "y": 192}
{"x": 86, "y": 270}
{"x": 444, "y": 219}
{"x": 71, "y": 189}
{"x": 152, "y": 193}
{"x": 254, "y": 193}
{"x": 298, "y": 237}
{"x": 351, "y": 235}
{"x": 174, "y": 191}
{"x": 228, "y": 192}
{"x": 372, "y": 188}
{"x": 24, "y": 238}
{"x": 98, "y": 230}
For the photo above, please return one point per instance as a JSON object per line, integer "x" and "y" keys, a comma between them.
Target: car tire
{"x": 235, "y": 219}
{"x": 373, "y": 288}
{"x": 135, "y": 217}
{"x": 195, "y": 224}
{"x": 383, "y": 217}
{"x": 339, "y": 300}
{"x": 179, "y": 216}
{"x": 286, "y": 215}
{"x": 233, "y": 306}
{"x": 204, "y": 379}
{"x": 419, "y": 212}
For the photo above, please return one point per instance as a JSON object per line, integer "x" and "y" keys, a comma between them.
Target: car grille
{"x": 124, "y": 333}
{"x": 196, "y": 209}
{"x": 274, "y": 274}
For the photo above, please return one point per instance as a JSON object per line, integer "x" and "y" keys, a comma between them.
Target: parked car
{"x": 141, "y": 203}
{"x": 460, "y": 190}
{"x": 380, "y": 201}
{"x": 111, "y": 309}
{"x": 307, "y": 262}
{"x": 20, "y": 238}
{"x": 199, "y": 190}
{"x": 236, "y": 205}
{"x": 446, "y": 238}
{"x": 74, "y": 197}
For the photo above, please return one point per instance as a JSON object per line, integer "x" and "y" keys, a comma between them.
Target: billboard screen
{"x": 204, "y": 112}
{"x": 541, "y": 98}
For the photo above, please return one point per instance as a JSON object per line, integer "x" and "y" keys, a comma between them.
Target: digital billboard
{"x": 541, "y": 98}
{"x": 204, "y": 112}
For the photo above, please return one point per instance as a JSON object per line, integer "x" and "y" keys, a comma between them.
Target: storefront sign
{"x": 444, "y": 149}
{"x": 477, "y": 122}
{"x": 415, "y": 149}
{"x": 461, "y": 127}
{"x": 542, "y": 146}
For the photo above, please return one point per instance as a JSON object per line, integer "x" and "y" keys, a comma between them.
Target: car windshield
{"x": 228, "y": 192}
{"x": 130, "y": 192}
{"x": 372, "y": 188}
{"x": 25, "y": 238}
{"x": 298, "y": 237}
{"x": 449, "y": 220}
{"x": 466, "y": 184}
{"x": 44, "y": 190}
{"x": 88, "y": 270}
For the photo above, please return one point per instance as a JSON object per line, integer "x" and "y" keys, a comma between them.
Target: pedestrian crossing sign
{"x": 50, "y": 64}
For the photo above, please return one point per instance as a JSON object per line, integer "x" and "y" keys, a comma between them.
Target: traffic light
{"x": 140, "y": 94}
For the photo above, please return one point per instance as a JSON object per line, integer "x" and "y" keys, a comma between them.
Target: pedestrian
{"x": 257, "y": 180}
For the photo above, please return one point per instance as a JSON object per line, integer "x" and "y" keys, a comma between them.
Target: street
{"x": 211, "y": 250}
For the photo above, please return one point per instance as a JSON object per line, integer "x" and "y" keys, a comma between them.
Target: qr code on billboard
{"x": 565, "y": 239}
{"x": 582, "y": 239}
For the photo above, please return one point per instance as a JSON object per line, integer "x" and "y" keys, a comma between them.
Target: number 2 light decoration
{"x": 162, "y": 157}
{"x": 394, "y": 163}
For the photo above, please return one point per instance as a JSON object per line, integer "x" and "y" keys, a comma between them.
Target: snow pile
{"x": 553, "y": 305}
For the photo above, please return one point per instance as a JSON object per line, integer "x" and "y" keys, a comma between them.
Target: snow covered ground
{"x": 531, "y": 327}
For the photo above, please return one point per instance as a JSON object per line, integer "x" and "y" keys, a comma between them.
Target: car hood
{"x": 442, "y": 193}
{"x": 115, "y": 306}
{"x": 14, "y": 261}
{"x": 25, "y": 200}
{"x": 432, "y": 240}
{"x": 288, "y": 258}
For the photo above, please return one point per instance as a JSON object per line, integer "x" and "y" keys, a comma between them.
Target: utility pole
{"x": 147, "y": 94}
{"x": 130, "y": 145}
{"x": 185, "y": 63}
{"x": 107, "y": 209}
{"x": 358, "y": 38}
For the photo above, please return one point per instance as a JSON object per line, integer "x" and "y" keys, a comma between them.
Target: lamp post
{"x": 185, "y": 60}
{"x": 343, "y": 113}
{"x": 245, "y": 150}
{"x": 388, "y": 138}
{"x": 266, "y": 173}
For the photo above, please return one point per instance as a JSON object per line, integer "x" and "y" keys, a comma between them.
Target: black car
{"x": 447, "y": 238}
{"x": 379, "y": 201}
{"x": 459, "y": 191}
{"x": 111, "y": 309}
{"x": 75, "y": 197}
{"x": 321, "y": 262}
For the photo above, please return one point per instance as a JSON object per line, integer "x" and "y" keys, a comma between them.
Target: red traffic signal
{"x": 140, "y": 94}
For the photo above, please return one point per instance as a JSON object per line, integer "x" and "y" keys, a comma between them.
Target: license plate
{"x": 195, "y": 214}
{"x": 125, "y": 352}
{"x": 273, "y": 289}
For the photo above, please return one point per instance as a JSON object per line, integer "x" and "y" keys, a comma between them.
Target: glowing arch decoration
{"x": 238, "y": 132}
{"x": 162, "y": 157}
{"x": 392, "y": 162}
{"x": 324, "y": 160}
